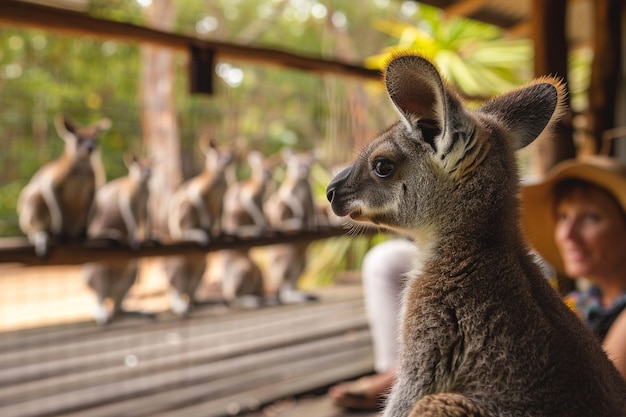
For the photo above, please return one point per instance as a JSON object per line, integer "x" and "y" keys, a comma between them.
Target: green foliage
{"x": 8, "y": 201}
{"x": 473, "y": 56}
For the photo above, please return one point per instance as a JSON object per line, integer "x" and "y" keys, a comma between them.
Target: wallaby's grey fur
{"x": 57, "y": 201}
{"x": 482, "y": 333}
{"x": 121, "y": 214}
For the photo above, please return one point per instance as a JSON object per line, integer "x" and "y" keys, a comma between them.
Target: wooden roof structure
{"x": 556, "y": 27}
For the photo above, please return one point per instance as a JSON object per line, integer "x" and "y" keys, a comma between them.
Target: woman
{"x": 576, "y": 220}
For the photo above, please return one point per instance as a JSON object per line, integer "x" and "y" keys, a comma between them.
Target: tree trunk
{"x": 158, "y": 116}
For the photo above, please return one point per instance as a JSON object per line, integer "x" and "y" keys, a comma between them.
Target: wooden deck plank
{"x": 216, "y": 360}
{"x": 153, "y": 336}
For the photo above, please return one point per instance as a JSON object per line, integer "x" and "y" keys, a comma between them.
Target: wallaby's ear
{"x": 65, "y": 127}
{"x": 129, "y": 158}
{"x": 286, "y": 154}
{"x": 103, "y": 124}
{"x": 418, "y": 93}
{"x": 530, "y": 110}
{"x": 255, "y": 159}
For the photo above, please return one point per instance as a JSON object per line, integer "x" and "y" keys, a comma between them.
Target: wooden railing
{"x": 18, "y": 251}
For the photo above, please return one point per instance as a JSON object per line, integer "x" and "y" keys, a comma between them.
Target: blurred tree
{"x": 159, "y": 120}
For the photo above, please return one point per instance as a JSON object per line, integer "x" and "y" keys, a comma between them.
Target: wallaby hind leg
{"x": 292, "y": 265}
{"x": 126, "y": 278}
{"x": 184, "y": 274}
{"x": 95, "y": 278}
{"x": 446, "y": 405}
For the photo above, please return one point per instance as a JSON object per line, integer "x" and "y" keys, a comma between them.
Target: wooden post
{"x": 550, "y": 42}
{"x": 605, "y": 72}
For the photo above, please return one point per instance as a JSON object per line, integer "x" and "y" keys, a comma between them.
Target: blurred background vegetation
{"x": 44, "y": 74}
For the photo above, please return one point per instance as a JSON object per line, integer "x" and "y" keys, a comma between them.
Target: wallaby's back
{"x": 483, "y": 333}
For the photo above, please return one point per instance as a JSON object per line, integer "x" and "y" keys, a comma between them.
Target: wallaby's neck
{"x": 453, "y": 250}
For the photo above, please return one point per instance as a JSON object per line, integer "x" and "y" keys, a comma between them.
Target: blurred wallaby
{"x": 243, "y": 202}
{"x": 291, "y": 208}
{"x": 483, "y": 333}
{"x": 195, "y": 209}
{"x": 241, "y": 278}
{"x": 121, "y": 214}
{"x": 57, "y": 201}
{"x": 121, "y": 206}
{"x": 195, "y": 215}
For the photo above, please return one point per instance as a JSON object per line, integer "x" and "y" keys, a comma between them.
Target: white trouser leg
{"x": 384, "y": 267}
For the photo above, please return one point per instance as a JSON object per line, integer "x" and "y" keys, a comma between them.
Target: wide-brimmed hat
{"x": 538, "y": 199}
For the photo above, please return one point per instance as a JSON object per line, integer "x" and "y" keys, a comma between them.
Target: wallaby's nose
{"x": 332, "y": 187}
{"x": 330, "y": 193}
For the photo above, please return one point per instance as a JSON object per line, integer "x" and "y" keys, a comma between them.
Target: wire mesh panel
{"x": 54, "y": 359}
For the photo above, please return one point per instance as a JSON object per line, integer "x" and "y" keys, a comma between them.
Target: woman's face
{"x": 590, "y": 233}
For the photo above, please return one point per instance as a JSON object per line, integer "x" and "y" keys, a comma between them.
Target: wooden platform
{"x": 218, "y": 362}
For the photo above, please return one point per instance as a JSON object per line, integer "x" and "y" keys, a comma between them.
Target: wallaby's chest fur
{"x": 483, "y": 333}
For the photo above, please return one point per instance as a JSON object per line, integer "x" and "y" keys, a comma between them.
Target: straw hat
{"x": 537, "y": 199}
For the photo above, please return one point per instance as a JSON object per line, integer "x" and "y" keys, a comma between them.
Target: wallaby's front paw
{"x": 291, "y": 296}
{"x": 41, "y": 242}
{"x": 101, "y": 315}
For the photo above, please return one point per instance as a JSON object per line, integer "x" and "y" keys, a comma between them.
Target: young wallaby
{"x": 196, "y": 207}
{"x": 121, "y": 206}
{"x": 483, "y": 333}
{"x": 56, "y": 203}
{"x": 243, "y": 202}
{"x": 121, "y": 214}
{"x": 291, "y": 208}
{"x": 196, "y": 211}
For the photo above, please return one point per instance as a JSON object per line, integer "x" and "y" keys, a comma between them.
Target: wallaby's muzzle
{"x": 336, "y": 182}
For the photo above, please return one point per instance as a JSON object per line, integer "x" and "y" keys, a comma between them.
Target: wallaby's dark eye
{"x": 383, "y": 167}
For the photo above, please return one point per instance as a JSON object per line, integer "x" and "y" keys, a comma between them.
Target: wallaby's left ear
{"x": 103, "y": 124}
{"x": 420, "y": 96}
{"x": 129, "y": 158}
{"x": 65, "y": 127}
{"x": 530, "y": 110}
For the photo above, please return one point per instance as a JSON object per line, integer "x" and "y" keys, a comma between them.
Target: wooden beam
{"x": 464, "y": 8}
{"x": 17, "y": 13}
{"x": 19, "y": 252}
{"x": 551, "y": 50}
{"x": 605, "y": 73}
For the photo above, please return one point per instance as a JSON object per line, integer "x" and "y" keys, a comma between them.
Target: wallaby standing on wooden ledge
{"x": 482, "y": 333}
{"x": 121, "y": 206}
{"x": 241, "y": 277}
{"x": 121, "y": 214}
{"x": 57, "y": 201}
{"x": 196, "y": 209}
{"x": 243, "y": 202}
{"x": 291, "y": 208}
